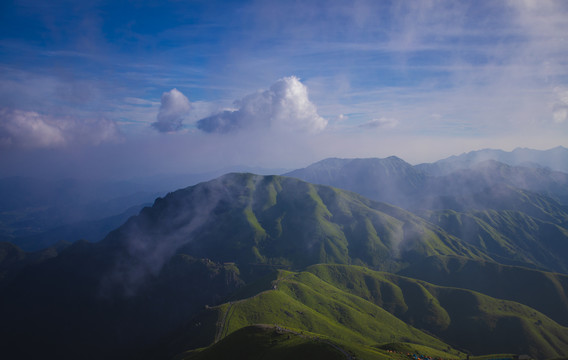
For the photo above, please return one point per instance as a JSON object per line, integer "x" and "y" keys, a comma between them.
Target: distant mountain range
{"x": 394, "y": 181}
{"x": 554, "y": 159}
{"x": 380, "y": 259}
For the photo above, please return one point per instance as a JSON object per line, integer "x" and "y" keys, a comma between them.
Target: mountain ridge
{"x": 555, "y": 158}
{"x": 198, "y": 245}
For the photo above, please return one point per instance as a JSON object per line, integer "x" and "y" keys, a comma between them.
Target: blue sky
{"x": 133, "y": 88}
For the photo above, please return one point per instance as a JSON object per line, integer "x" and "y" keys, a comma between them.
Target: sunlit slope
{"x": 265, "y": 342}
{"x": 508, "y": 236}
{"x": 305, "y": 303}
{"x": 465, "y": 195}
{"x": 273, "y": 342}
{"x": 464, "y": 318}
{"x": 285, "y": 221}
{"x": 365, "y": 308}
{"x": 544, "y": 291}
{"x": 273, "y": 220}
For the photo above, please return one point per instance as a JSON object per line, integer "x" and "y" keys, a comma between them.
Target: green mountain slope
{"x": 544, "y": 291}
{"x": 515, "y": 214}
{"x": 464, "y": 318}
{"x": 282, "y": 221}
{"x": 277, "y": 342}
{"x": 305, "y": 302}
{"x": 265, "y": 342}
{"x": 510, "y": 237}
{"x": 196, "y": 246}
{"x": 307, "y": 305}
{"x": 363, "y": 308}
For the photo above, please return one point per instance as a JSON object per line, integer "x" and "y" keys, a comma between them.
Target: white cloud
{"x": 560, "y": 114}
{"x": 173, "y": 110}
{"x": 138, "y": 101}
{"x": 284, "y": 107}
{"x": 560, "y": 107}
{"x": 383, "y": 122}
{"x": 28, "y": 129}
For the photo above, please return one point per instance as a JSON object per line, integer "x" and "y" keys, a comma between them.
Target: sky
{"x": 124, "y": 89}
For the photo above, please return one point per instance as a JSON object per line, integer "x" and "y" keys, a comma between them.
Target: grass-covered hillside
{"x": 365, "y": 309}
{"x": 211, "y": 251}
{"x": 266, "y": 342}
{"x": 510, "y": 237}
{"x": 544, "y": 291}
{"x": 464, "y": 318}
{"x": 272, "y": 220}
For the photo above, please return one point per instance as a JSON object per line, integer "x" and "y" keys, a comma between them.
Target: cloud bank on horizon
{"x": 28, "y": 129}
{"x": 147, "y": 88}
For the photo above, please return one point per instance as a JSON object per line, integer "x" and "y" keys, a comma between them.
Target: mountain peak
{"x": 390, "y": 179}
{"x": 334, "y": 162}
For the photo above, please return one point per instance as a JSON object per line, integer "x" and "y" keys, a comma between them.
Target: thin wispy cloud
{"x": 560, "y": 106}
{"x": 387, "y": 123}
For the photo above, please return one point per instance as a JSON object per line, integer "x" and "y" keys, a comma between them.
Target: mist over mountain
{"x": 513, "y": 213}
{"x": 272, "y": 220}
{"x": 181, "y": 272}
{"x": 394, "y": 181}
{"x": 553, "y": 159}
{"x": 196, "y": 246}
{"x": 390, "y": 180}
{"x": 491, "y": 176}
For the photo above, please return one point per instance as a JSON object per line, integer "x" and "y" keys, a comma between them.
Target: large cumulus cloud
{"x": 29, "y": 129}
{"x": 174, "y": 109}
{"x": 285, "y": 106}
